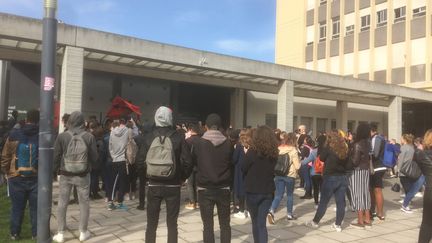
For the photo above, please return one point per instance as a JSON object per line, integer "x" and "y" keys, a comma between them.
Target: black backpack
{"x": 283, "y": 165}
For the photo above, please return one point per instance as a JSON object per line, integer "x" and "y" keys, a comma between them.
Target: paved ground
{"x": 129, "y": 226}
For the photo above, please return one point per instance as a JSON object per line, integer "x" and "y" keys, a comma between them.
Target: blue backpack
{"x": 27, "y": 159}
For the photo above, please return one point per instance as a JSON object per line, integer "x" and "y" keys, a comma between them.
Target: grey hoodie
{"x": 117, "y": 143}
{"x": 76, "y": 126}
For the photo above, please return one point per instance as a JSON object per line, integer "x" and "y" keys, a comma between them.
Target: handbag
{"x": 396, "y": 187}
{"x": 411, "y": 169}
{"x": 371, "y": 167}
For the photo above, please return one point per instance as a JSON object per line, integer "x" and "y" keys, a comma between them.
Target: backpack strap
{"x": 161, "y": 137}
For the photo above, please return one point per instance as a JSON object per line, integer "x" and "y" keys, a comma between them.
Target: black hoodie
{"x": 213, "y": 153}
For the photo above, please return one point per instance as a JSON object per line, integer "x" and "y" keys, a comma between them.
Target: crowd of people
{"x": 242, "y": 172}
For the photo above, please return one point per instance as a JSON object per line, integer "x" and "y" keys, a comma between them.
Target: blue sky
{"x": 242, "y": 28}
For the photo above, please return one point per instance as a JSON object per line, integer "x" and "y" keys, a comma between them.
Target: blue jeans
{"x": 412, "y": 189}
{"x": 305, "y": 174}
{"x": 283, "y": 183}
{"x": 207, "y": 199}
{"x": 21, "y": 190}
{"x": 258, "y": 205}
{"x": 336, "y": 185}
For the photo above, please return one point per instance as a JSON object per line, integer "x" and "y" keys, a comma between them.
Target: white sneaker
{"x": 311, "y": 224}
{"x": 336, "y": 227}
{"x": 419, "y": 194}
{"x": 85, "y": 236}
{"x": 59, "y": 237}
{"x": 240, "y": 215}
{"x": 406, "y": 209}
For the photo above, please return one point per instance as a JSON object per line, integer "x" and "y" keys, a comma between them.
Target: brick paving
{"x": 129, "y": 226}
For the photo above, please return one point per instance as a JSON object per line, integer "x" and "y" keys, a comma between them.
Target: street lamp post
{"x": 46, "y": 136}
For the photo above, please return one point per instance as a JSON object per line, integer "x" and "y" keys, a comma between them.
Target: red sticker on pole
{"x": 49, "y": 83}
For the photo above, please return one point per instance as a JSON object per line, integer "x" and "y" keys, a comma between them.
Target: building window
{"x": 322, "y": 31}
{"x": 365, "y": 22}
{"x": 271, "y": 120}
{"x": 322, "y": 2}
{"x": 400, "y": 14}
{"x": 418, "y": 12}
{"x": 349, "y": 30}
{"x": 335, "y": 28}
{"x": 382, "y": 18}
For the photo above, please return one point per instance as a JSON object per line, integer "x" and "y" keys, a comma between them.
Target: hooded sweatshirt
{"x": 117, "y": 143}
{"x": 212, "y": 153}
{"x": 75, "y": 124}
{"x": 294, "y": 159}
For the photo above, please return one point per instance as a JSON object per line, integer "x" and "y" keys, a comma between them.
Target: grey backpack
{"x": 76, "y": 156}
{"x": 160, "y": 159}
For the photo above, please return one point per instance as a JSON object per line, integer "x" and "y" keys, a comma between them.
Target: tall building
{"x": 384, "y": 41}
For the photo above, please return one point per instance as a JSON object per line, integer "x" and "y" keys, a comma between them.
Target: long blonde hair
{"x": 337, "y": 144}
{"x": 427, "y": 140}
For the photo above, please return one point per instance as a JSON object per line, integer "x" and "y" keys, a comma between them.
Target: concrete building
{"x": 378, "y": 40}
{"x": 94, "y": 66}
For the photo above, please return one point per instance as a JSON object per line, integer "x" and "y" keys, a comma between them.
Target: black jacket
{"x": 181, "y": 151}
{"x": 212, "y": 153}
{"x": 333, "y": 166}
{"x": 258, "y": 173}
{"x": 424, "y": 160}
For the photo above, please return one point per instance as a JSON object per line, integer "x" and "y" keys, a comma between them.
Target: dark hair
{"x": 301, "y": 140}
{"x": 320, "y": 142}
{"x": 309, "y": 141}
{"x": 264, "y": 142}
{"x": 362, "y": 132}
{"x": 289, "y": 139}
{"x": 33, "y": 116}
{"x": 65, "y": 118}
{"x": 194, "y": 128}
{"x": 373, "y": 127}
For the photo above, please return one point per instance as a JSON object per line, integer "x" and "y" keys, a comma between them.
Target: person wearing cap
{"x": 167, "y": 189}
{"x": 212, "y": 153}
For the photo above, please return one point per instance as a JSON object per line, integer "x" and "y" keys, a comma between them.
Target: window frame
{"x": 367, "y": 22}
{"x": 323, "y": 37}
{"x": 335, "y": 21}
{"x": 402, "y": 13}
{"x": 381, "y": 18}
{"x": 350, "y": 31}
{"x": 419, "y": 12}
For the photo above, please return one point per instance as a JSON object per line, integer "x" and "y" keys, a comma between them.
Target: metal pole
{"x": 46, "y": 128}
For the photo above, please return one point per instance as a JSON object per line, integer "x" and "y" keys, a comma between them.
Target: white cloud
{"x": 242, "y": 46}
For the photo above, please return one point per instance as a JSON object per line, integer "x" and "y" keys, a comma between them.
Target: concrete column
{"x": 285, "y": 105}
{"x": 71, "y": 81}
{"x": 395, "y": 119}
{"x": 4, "y": 90}
{"x": 237, "y": 108}
{"x": 342, "y": 115}
{"x": 314, "y": 126}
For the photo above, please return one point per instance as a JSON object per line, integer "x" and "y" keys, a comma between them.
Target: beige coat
{"x": 294, "y": 159}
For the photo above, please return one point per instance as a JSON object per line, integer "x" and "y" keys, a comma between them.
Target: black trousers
{"x": 207, "y": 199}
{"x": 316, "y": 185}
{"x": 142, "y": 183}
{"x": 171, "y": 196}
{"x": 425, "y": 235}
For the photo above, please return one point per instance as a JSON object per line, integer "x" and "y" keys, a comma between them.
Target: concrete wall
{"x": 23, "y": 91}
{"x": 146, "y": 93}
{"x": 259, "y": 104}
